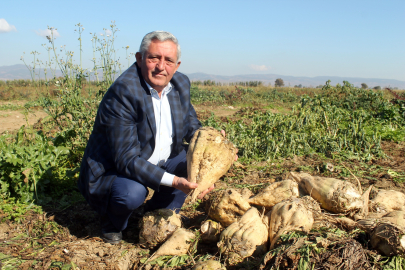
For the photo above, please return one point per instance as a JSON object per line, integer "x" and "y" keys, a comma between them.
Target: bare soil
{"x": 11, "y": 120}
{"x": 71, "y": 236}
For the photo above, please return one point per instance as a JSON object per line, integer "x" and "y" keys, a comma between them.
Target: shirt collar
{"x": 165, "y": 91}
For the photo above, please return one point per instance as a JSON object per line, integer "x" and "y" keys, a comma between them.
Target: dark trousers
{"x": 127, "y": 195}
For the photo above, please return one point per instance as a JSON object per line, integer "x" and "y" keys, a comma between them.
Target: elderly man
{"x": 137, "y": 138}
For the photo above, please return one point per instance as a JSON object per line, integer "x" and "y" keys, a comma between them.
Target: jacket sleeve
{"x": 120, "y": 116}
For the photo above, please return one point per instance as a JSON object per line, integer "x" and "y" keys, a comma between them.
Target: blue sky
{"x": 356, "y": 38}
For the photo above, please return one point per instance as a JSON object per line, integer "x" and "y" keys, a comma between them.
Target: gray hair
{"x": 161, "y": 36}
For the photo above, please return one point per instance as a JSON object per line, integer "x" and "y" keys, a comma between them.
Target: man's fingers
{"x": 211, "y": 187}
{"x": 192, "y": 185}
{"x": 205, "y": 192}
{"x": 183, "y": 185}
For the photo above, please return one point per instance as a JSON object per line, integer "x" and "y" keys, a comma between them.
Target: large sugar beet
{"x": 394, "y": 217}
{"x": 386, "y": 233}
{"x": 227, "y": 206}
{"x": 178, "y": 244}
{"x": 387, "y": 201}
{"x": 209, "y": 265}
{"x": 210, "y": 155}
{"x": 157, "y": 226}
{"x": 334, "y": 195}
{"x": 245, "y": 237}
{"x": 275, "y": 193}
{"x": 294, "y": 214}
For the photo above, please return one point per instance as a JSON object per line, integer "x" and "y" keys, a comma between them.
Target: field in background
{"x": 335, "y": 131}
{"x": 277, "y": 130}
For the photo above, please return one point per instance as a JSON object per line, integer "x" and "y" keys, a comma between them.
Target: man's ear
{"x": 138, "y": 57}
{"x": 178, "y": 65}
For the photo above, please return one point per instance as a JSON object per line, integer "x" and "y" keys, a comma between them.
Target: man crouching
{"x": 137, "y": 138}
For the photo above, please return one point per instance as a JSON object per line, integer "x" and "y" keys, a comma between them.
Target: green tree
{"x": 377, "y": 87}
{"x": 364, "y": 86}
{"x": 279, "y": 82}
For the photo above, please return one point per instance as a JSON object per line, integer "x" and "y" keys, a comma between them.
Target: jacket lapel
{"x": 148, "y": 103}
{"x": 150, "y": 113}
{"x": 177, "y": 119}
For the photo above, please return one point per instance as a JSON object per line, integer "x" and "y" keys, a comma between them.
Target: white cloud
{"x": 47, "y": 32}
{"x": 259, "y": 68}
{"x": 5, "y": 27}
{"x": 106, "y": 32}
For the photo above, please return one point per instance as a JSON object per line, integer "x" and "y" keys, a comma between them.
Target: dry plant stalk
{"x": 334, "y": 195}
{"x": 227, "y": 206}
{"x": 294, "y": 214}
{"x": 210, "y": 155}
{"x": 157, "y": 226}
{"x": 275, "y": 193}
{"x": 245, "y": 237}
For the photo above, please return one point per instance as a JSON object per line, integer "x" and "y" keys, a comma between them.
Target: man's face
{"x": 159, "y": 63}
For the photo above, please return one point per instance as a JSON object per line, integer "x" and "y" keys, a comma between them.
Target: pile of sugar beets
{"x": 242, "y": 224}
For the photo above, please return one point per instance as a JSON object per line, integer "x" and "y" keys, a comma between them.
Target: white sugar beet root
{"x": 334, "y": 195}
{"x": 387, "y": 201}
{"x": 178, "y": 244}
{"x": 387, "y": 234}
{"x": 294, "y": 214}
{"x": 275, "y": 193}
{"x": 227, "y": 206}
{"x": 245, "y": 237}
{"x": 157, "y": 226}
{"x": 209, "y": 265}
{"x": 209, "y": 156}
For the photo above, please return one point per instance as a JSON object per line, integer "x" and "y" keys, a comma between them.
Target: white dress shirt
{"x": 164, "y": 131}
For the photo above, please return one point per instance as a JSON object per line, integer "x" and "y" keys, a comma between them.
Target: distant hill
{"x": 21, "y": 72}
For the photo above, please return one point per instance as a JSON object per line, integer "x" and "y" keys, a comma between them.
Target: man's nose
{"x": 160, "y": 65}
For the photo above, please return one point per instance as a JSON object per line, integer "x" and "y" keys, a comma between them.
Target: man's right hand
{"x": 183, "y": 184}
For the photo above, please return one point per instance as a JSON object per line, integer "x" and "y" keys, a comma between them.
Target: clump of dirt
{"x": 316, "y": 251}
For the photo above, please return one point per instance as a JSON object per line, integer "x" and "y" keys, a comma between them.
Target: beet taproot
{"x": 387, "y": 201}
{"x": 275, "y": 193}
{"x": 245, "y": 237}
{"x": 334, "y": 195}
{"x": 294, "y": 214}
{"x": 227, "y": 206}
{"x": 209, "y": 156}
{"x": 178, "y": 244}
{"x": 156, "y": 226}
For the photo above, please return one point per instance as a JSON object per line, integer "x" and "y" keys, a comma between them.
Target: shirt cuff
{"x": 167, "y": 179}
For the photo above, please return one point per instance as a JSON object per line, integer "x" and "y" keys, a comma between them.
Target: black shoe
{"x": 110, "y": 234}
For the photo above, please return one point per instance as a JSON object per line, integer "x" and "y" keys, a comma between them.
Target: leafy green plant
{"x": 15, "y": 210}
{"x": 28, "y": 164}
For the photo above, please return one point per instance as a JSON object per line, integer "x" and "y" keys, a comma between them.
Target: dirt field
{"x": 11, "y": 120}
{"x": 70, "y": 238}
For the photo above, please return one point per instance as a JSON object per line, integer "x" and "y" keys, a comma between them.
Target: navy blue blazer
{"x": 124, "y": 132}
